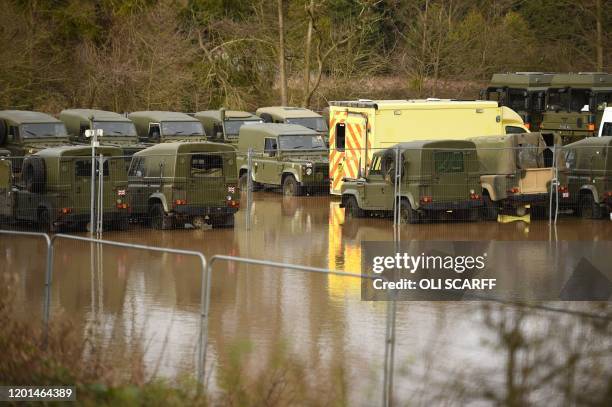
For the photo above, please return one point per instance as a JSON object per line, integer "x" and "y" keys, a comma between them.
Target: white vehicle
{"x": 605, "y": 127}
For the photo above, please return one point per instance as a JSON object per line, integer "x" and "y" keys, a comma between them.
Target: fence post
{"x": 100, "y": 217}
{"x": 249, "y": 187}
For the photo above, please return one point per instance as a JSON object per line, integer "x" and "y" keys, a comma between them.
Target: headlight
{"x": 308, "y": 171}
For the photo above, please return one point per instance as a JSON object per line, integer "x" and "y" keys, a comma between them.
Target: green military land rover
{"x": 287, "y": 155}
{"x": 523, "y": 92}
{"x": 223, "y": 126}
{"x": 118, "y": 130}
{"x": 437, "y": 177}
{"x": 23, "y": 133}
{"x": 295, "y": 115}
{"x": 588, "y": 176}
{"x": 162, "y": 127}
{"x": 575, "y": 104}
{"x": 172, "y": 184}
{"x": 516, "y": 172}
{"x": 55, "y": 189}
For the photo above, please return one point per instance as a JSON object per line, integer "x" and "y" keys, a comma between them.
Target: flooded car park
{"x": 125, "y": 295}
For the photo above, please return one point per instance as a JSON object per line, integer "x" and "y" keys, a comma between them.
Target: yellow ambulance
{"x": 359, "y": 128}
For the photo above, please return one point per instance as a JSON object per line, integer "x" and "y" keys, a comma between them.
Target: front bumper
{"x": 451, "y": 205}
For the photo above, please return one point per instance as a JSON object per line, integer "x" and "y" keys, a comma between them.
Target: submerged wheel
{"x": 589, "y": 209}
{"x": 44, "y": 222}
{"x": 352, "y": 209}
{"x": 159, "y": 219}
{"x": 291, "y": 186}
{"x": 490, "y": 210}
{"x": 407, "y": 214}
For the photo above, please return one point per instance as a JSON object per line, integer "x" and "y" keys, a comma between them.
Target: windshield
{"x": 569, "y": 100}
{"x": 314, "y": 123}
{"x": 516, "y": 100}
{"x": 305, "y": 142}
{"x": 36, "y": 130}
{"x": 232, "y": 127}
{"x": 182, "y": 129}
{"x": 116, "y": 128}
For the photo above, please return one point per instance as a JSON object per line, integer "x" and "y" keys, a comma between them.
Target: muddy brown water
{"x": 125, "y": 295}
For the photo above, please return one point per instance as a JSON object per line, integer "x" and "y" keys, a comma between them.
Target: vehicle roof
{"x": 275, "y": 129}
{"x": 430, "y": 144}
{"x": 26, "y": 116}
{"x": 185, "y": 147}
{"x": 288, "y": 112}
{"x": 98, "y": 115}
{"x": 161, "y": 116}
{"x": 592, "y": 142}
{"x": 84, "y": 150}
{"x": 229, "y": 114}
{"x": 582, "y": 80}
{"x": 522, "y": 79}
{"x": 415, "y": 103}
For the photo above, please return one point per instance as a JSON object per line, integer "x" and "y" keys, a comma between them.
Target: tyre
{"x": 291, "y": 186}
{"x": 44, "y": 222}
{"x": 588, "y": 208}
{"x": 352, "y": 209}
{"x": 33, "y": 174}
{"x": 407, "y": 214}
{"x": 490, "y": 210}
{"x": 159, "y": 219}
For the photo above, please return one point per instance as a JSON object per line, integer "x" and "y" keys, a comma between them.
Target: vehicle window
{"x": 340, "y": 136}
{"x": 579, "y": 98}
{"x": 206, "y": 165}
{"x": 270, "y": 146}
{"x": 516, "y": 99}
{"x": 34, "y": 130}
{"x": 603, "y": 97}
{"x": 136, "y": 167}
{"x": 182, "y": 129}
{"x": 558, "y": 99}
{"x": 301, "y": 142}
{"x": 154, "y": 133}
{"x": 528, "y": 156}
{"x": 14, "y": 130}
{"x": 82, "y": 168}
{"x": 606, "y": 129}
{"x": 448, "y": 161}
{"x": 570, "y": 159}
{"x": 314, "y": 123}
{"x": 495, "y": 95}
{"x": 375, "y": 168}
{"x": 232, "y": 127}
{"x": 116, "y": 128}
{"x": 514, "y": 130}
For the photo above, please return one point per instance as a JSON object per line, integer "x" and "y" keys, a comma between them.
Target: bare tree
{"x": 281, "y": 52}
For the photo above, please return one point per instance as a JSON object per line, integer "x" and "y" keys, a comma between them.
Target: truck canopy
{"x": 252, "y": 136}
{"x": 78, "y": 119}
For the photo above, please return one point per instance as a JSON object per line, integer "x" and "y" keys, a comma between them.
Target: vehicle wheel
{"x": 223, "y": 221}
{"x": 352, "y": 209}
{"x": 291, "y": 186}
{"x": 44, "y": 222}
{"x": 159, "y": 219}
{"x": 589, "y": 209}
{"x": 198, "y": 222}
{"x": 407, "y": 214}
{"x": 122, "y": 224}
{"x": 490, "y": 209}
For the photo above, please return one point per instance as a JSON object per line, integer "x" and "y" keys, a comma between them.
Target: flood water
{"x": 125, "y": 295}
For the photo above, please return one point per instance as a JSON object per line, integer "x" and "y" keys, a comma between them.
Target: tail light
{"x": 591, "y": 127}
{"x": 65, "y": 211}
{"x": 514, "y": 190}
{"x": 179, "y": 202}
{"x": 122, "y": 206}
{"x": 233, "y": 204}
{"x": 474, "y": 196}
{"x": 562, "y": 188}
{"x": 528, "y": 125}
{"x": 608, "y": 194}
{"x": 426, "y": 199}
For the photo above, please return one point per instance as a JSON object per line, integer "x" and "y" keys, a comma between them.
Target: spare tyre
{"x": 387, "y": 164}
{"x": 33, "y": 174}
{"x": 2, "y": 133}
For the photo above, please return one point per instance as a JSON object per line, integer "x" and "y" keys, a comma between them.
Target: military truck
{"x": 588, "y": 176}
{"x": 161, "y": 127}
{"x": 523, "y": 92}
{"x": 437, "y": 177}
{"x": 55, "y": 189}
{"x": 118, "y": 130}
{"x": 24, "y": 132}
{"x": 575, "y": 103}
{"x": 223, "y": 126}
{"x": 287, "y": 155}
{"x": 294, "y": 115}
{"x": 172, "y": 184}
{"x": 516, "y": 172}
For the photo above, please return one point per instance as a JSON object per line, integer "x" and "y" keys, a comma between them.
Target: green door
{"x": 378, "y": 194}
{"x": 137, "y": 191}
{"x": 450, "y": 181}
{"x": 268, "y": 166}
{"x": 205, "y": 179}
